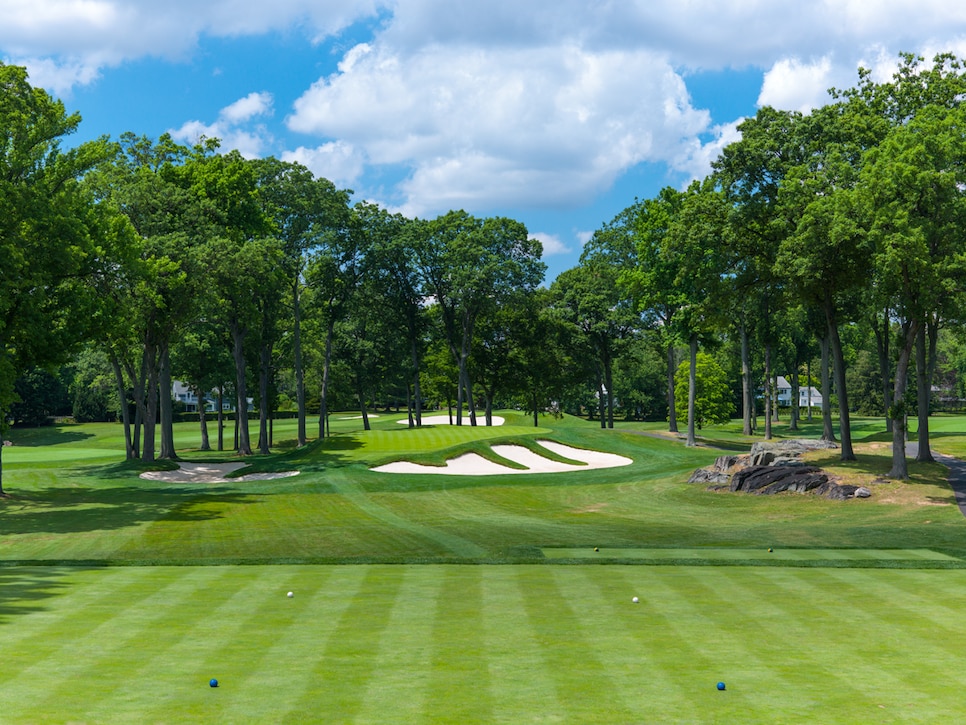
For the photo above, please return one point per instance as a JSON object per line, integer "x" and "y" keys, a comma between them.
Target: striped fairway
{"x": 480, "y": 644}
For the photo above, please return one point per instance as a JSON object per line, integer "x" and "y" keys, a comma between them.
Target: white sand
{"x": 357, "y": 417}
{"x": 210, "y": 473}
{"x": 444, "y": 420}
{"x": 473, "y": 464}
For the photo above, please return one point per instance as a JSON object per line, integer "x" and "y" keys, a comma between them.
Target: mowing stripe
{"x": 788, "y": 627}
{"x": 105, "y": 650}
{"x": 397, "y": 691}
{"x": 259, "y": 650}
{"x": 880, "y": 665}
{"x": 332, "y": 674}
{"x": 518, "y": 671}
{"x": 457, "y": 545}
{"x": 584, "y": 690}
{"x": 611, "y": 612}
{"x": 182, "y": 650}
{"x": 458, "y": 687}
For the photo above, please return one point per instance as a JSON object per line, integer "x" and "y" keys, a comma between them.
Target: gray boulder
{"x": 765, "y": 480}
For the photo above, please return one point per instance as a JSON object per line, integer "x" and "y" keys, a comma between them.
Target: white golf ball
{"x": 291, "y": 594}
{"x": 634, "y": 600}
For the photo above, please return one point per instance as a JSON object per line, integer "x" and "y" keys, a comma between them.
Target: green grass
{"x": 508, "y": 644}
{"x": 436, "y": 598}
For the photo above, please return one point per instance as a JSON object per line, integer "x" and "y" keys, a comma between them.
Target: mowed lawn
{"x": 428, "y": 598}
{"x": 480, "y": 644}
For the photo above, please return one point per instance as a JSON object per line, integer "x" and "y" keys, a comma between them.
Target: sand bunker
{"x": 444, "y": 420}
{"x": 210, "y": 473}
{"x": 473, "y": 464}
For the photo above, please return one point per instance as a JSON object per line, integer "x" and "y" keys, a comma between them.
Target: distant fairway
{"x": 435, "y": 598}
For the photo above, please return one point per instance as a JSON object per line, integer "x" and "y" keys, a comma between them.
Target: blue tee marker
{"x": 214, "y": 683}
{"x": 721, "y": 685}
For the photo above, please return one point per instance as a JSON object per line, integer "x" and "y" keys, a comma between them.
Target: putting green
{"x": 746, "y": 554}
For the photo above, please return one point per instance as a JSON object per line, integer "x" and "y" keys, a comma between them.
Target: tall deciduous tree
{"x": 469, "y": 265}
{"x": 307, "y": 213}
{"x": 48, "y": 232}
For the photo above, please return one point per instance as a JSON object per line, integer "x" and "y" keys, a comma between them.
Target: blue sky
{"x": 555, "y": 112}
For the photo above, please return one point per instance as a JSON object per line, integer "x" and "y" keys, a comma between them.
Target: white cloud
{"x": 584, "y": 236}
{"x": 497, "y": 103}
{"x": 339, "y": 162}
{"x": 796, "y": 86}
{"x": 552, "y": 244}
{"x": 482, "y": 126}
{"x": 254, "y": 104}
{"x": 230, "y": 127}
{"x": 81, "y": 37}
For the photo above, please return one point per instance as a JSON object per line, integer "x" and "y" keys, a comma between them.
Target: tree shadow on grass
{"x": 80, "y": 510}
{"x": 22, "y": 589}
{"x": 46, "y": 436}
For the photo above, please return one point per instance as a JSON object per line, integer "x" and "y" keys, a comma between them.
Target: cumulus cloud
{"x": 78, "y": 38}
{"x": 232, "y": 128}
{"x": 501, "y": 103}
{"x": 338, "y": 161}
{"x": 495, "y": 125}
{"x": 552, "y": 244}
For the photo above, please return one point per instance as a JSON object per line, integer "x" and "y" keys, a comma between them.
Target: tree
{"x": 712, "y": 394}
{"x": 697, "y": 245}
{"x": 913, "y": 210}
{"x": 651, "y": 281}
{"x": 469, "y": 265}
{"x": 306, "y": 213}
{"x": 589, "y": 298}
{"x": 49, "y": 231}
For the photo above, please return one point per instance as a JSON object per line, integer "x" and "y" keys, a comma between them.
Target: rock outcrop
{"x": 774, "y": 467}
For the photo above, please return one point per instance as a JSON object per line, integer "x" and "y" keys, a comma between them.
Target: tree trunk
{"x": 808, "y": 382}
{"x": 845, "y": 431}
{"x": 301, "y": 436}
{"x": 767, "y": 391}
{"x": 602, "y": 403}
{"x": 793, "y": 411}
{"x": 326, "y": 364}
{"x": 264, "y": 373}
{"x": 923, "y": 396}
{"x": 362, "y": 408}
{"x": 221, "y": 417}
{"x": 672, "y": 415}
{"x": 150, "y": 404}
{"x": 828, "y": 432}
{"x": 241, "y": 390}
{"x": 747, "y": 399}
{"x": 900, "y": 468}
{"x": 164, "y": 398}
{"x": 417, "y": 393}
{"x": 129, "y": 453}
{"x": 202, "y": 420}
{"x": 692, "y": 389}
{"x": 609, "y": 384}
{"x": 882, "y": 348}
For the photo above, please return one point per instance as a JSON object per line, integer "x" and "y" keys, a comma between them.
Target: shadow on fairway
{"x": 46, "y": 436}
{"x": 23, "y": 588}
{"x": 73, "y": 510}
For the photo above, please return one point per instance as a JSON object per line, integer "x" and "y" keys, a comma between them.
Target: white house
{"x": 784, "y": 392}
{"x": 183, "y": 394}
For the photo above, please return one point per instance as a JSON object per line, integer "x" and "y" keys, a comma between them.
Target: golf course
{"x": 586, "y": 594}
